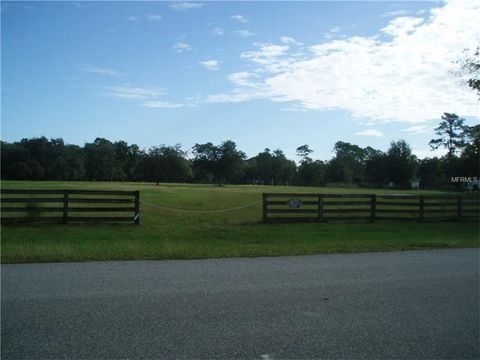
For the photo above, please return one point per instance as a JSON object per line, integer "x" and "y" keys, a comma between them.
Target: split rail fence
{"x": 68, "y": 206}
{"x": 302, "y": 207}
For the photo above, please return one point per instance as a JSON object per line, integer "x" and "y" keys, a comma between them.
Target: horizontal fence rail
{"x": 307, "y": 207}
{"x": 69, "y": 206}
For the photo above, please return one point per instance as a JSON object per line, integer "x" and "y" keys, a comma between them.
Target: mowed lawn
{"x": 167, "y": 234}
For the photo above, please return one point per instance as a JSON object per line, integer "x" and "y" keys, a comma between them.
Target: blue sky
{"x": 272, "y": 74}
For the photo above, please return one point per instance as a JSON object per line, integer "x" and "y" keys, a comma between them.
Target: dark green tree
{"x": 230, "y": 162}
{"x": 205, "y": 162}
{"x": 348, "y": 165}
{"x": 272, "y": 168}
{"x": 283, "y": 170}
{"x": 470, "y": 157}
{"x": 311, "y": 173}
{"x": 431, "y": 173}
{"x": 264, "y": 167}
{"x": 218, "y": 164}
{"x": 100, "y": 162}
{"x": 451, "y": 134}
{"x": 75, "y": 163}
{"x": 165, "y": 164}
{"x": 304, "y": 152}
{"x": 400, "y": 163}
{"x": 376, "y": 166}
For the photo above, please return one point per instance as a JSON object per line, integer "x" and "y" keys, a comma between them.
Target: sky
{"x": 263, "y": 74}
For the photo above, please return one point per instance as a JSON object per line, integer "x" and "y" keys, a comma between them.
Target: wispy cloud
{"x": 181, "y": 46}
{"x": 154, "y": 17}
{"x": 103, "y": 71}
{"x": 418, "y": 129}
{"x": 79, "y": 5}
{"x": 395, "y": 13}
{"x": 332, "y": 33}
{"x": 265, "y": 53}
{"x": 405, "y": 76}
{"x": 243, "y": 33}
{"x": 132, "y": 18}
{"x": 217, "y": 31}
{"x": 239, "y": 18}
{"x": 186, "y": 5}
{"x": 236, "y": 96}
{"x": 243, "y": 78}
{"x": 370, "y": 132}
{"x": 135, "y": 93}
{"x": 293, "y": 109}
{"x": 147, "y": 97}
{"x": 289, "y": 40}
{"x": 162, "y": 105}
{"x": 211, "y": 64}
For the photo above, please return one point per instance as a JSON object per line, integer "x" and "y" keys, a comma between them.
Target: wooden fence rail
{"x": 93, "y": 205}
{"x": 305, "y": 207}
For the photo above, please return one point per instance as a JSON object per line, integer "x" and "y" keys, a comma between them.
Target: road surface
{"x": 413, "y": 304}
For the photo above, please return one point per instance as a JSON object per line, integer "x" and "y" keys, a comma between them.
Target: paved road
{"x": 422, "y": 304}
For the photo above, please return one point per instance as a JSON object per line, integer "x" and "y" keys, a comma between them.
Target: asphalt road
{"x": 420, "y": 304}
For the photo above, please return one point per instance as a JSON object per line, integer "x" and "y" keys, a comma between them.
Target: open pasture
{"x": 181, "y": 221}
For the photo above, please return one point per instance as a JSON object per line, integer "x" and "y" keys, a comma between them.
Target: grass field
{"x": 166, "y": 234}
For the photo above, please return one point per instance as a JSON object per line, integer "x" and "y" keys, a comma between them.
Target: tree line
{"x": 104, "y": 160}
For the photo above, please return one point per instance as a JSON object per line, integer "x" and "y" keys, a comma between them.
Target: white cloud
{"x": 266, "y": 53}
{"x": 289, "y": 40}
{"x": 244, "y": 33}
{"x": 211, "y": 64}
{"x": 395, "y": 13}
{"x": 135, "y": 93}
{"x": 162, "y": 105}
{"x": 234, "y": 97}
{"x": 181, "y": 46}
{"x": 405, "y": 76}
{"x": 132, "y": 18}
{"x": 147, "y": 97}
{"x": 103, "y": 71}
{"x": 370, "y": 132}
{"x": 242, "y": 78}
{"x": 332, "y": 33}
{"x": 402, "y": 26}
{"x": 154, "y": 17}
{"x": 293, "y": 109}
{"x": 418, "y": 129}
{"x": 239, "y": 18}
{"x": 186, "y": 5}
{"x": 217, "y": 31}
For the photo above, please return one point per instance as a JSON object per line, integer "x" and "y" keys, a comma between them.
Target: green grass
{"x": 172, "y": 235}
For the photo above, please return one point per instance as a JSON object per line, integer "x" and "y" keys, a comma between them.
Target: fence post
{"x": 373, "y": 207}
{"x": 320, "y": 208}
{"x": 264, "y": 207}
{"x": 65, "y": 207}
{"x": 137, "y": 207}
{"x": 459, "y": 207}
{"x": 422, "y": 208}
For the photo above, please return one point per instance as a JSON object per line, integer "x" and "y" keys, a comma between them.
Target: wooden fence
{"x": 288, "y": 207}
{"x": 62, "y": 205}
